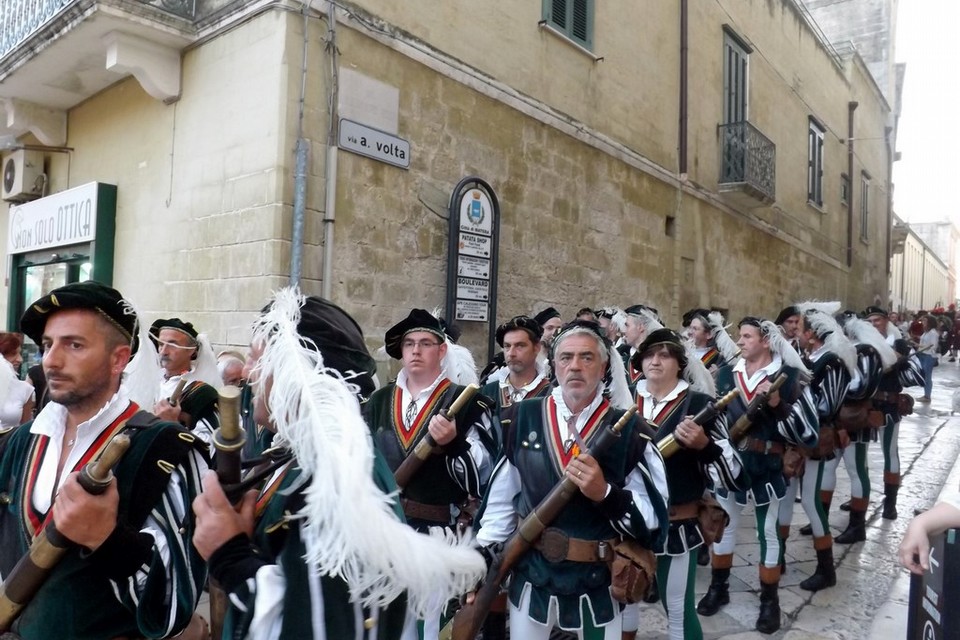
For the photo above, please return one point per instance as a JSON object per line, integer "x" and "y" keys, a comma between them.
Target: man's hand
{"x": 442, "y": 430}
{"x": 691, "y": 435}
{"x": 166, "y": 411}
{"x": 774, "y": 398}
{"x": 586, "y": 473}
{"x": 217, "y": 520}
{"x": 82, "y": 517}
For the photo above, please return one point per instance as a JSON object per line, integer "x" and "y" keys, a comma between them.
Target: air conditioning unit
{"x": 22, "y": 176}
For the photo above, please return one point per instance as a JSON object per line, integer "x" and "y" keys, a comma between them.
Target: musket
{"x": 470, "y": 618}
{"x": 744, "y": 422}
{"x": 669, "y": 445}
{"x": 228, "y": 440}
{"x": 427, "y": 445}
{"x": 50, "y": 546}
{"x": 174, "y": 398}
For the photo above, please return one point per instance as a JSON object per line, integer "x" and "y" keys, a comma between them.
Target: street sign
{"x": 932, "y": 613}
{"x": 471, "y": 310}
{"x": 472, "y": 245}
{"x": 373, "y": 143}
{"x": 473, "y": 267}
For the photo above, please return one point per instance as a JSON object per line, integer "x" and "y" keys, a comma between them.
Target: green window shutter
{"x": 558, "y": 14}
{"x": 573, "y": 18}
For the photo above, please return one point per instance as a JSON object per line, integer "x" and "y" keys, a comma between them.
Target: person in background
{"x": 230, "y": 366}
{"x": 927, "y": 353}
{"x": 16, "y": 396}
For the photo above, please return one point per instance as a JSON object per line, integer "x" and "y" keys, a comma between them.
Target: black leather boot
{"x": 703, "y": 555}
{"x": 890, "y": 501}
{"x": 806, "y": 530}
{"x": 495, "y": 626}
{"x": 856, "y": 530}
{"x": 845, "y": 506}
{"x": 769, "y": 619}
{"x": 717, "y": 595}
{"x": 825, "y": 575}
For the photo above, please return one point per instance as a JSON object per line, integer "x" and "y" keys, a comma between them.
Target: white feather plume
{"x": 894, "y": 330}
{"x": 143, "y": 373}
{"x": 780, "y": 346}
{"x": 650, "y": 320}
{"x": 352, "y": 522}
{"x": 618, "y": 389}
{"x": 863, "y": 332}
{"x": 830, "y": 308}
{"x": 619, "y": 319}
{"x": 696, "y": 373}
{"x": 460, "y": 365}
{"x": 819, "y": 317}
{"x": 725, "y": 345}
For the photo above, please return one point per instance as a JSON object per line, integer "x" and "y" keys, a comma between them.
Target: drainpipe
{"x": 851, "y": 107}
{"x": 330, "y": 202}
{"x": 300, "y": 172}
{"x": 887, "y": 132}
{"x": 683, "y": 88}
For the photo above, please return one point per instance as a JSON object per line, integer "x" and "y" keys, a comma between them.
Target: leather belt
{"x": 755, "y": 445}
{"x": 557, "y": 546}
{"x": 439, "y": 513}
{"x": 684, "y": 511}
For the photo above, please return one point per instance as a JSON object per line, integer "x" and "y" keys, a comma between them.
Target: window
{"x": 736, "y": 68}
{"x": 864, "y": 205}
{"x": 844, "y": 189}
{"x": 815, "y": 163}
{"x": 572, "y": 18}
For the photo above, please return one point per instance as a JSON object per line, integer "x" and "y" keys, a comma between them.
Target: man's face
{"x": 261, "y": 394}
{"x": 894, "y": 317}
{"x": 422, "y": 352}
{"x": 880, "y": 323}
{"x": 579, "y": 367}
{"x": 791, "y": 327}
{"x": 660, "y": 366}
{"x": 520, "y": 351}
{"x": 698, "y": 332}
{"x": 806, "y": 337}
{"x": 233, "y": 373}
{"x": 175, "y": 351}
{"x": 81, "y": 367}
{"x": 634, "y": 331}
{"x": 752, "y": 343}
{"x": 549, "y": 328}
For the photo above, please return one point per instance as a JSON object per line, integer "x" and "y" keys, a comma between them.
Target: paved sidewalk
{"x": 870, "y": 599}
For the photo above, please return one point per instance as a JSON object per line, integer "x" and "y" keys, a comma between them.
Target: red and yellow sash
{"x": 408, "y": 435}
{"x": 560, "y": 454}
{"x": 745, "y": 393}
{"x": 662, "y": 413}
{"x": 34, "y": 519}
{"x": 634, "y": 374}
{"x": 270, "y": 489}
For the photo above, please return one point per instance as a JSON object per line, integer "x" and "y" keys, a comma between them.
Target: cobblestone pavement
{"x": 869, "y": 601}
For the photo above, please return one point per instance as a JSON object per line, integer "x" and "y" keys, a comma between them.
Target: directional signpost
{"x": 472, "y": 255}
{"x": 933, "y": 613}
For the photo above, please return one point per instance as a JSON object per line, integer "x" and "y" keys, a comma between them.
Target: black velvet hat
{"x": 176, "y": 324}
{"x": 547, "y": 314}
{"x": 91, "y": 295}
{"x": 694, "y": 313}
{"x": 523, "y": 323}
{"x": 418, "y": 320}
{"x": 638, "y": 309}
{"x": 874, "y": 310}
{"x": 657, "y": 338}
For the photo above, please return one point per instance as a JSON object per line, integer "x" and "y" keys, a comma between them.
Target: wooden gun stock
{"x": 49, "y": 547}
{"x": 470, "y": 618}
{"x": 425, "y": 448}
{"x": 669, "y": 444}
{"x": 739, "y": 430}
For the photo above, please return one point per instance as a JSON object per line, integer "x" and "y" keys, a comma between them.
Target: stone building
{"x": 674, "y": 153}
{"x": 921, "y": 276}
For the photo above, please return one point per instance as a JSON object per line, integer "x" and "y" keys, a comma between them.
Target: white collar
{"x": 52, "y": 419}
{"x": 682, "y": 386}
{"x": 760, "y": 374}
{"x": 402, "y": 383}
{"x": 527, "y": 388}
{"x": 816, "y": 355}
{"x": 564, "y": 412}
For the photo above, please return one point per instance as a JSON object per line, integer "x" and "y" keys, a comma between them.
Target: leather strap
{"x": 755, "y": 445}
{"x": 439, "y": 513}
{"x": 556, "y": 546}
{"x": 684, "y": 511}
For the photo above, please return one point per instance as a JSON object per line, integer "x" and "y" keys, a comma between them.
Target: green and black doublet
{"x": 505, "y": 406}
{"x": 278, "y": 539}
{"x": 793, "y": 421}
{"x": 444, "y": 479}
{"x": 537, "y": 451}
{"x": 86, "y": 595}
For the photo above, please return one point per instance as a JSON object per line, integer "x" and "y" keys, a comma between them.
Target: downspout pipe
{"x": 330, "y": 170}
{"x": 684, "y": 46}
{"x": 888, "y": 134}
{"x": 851, "y": 107}
{"x": 300, "y": 171}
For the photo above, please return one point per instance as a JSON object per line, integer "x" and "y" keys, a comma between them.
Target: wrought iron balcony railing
{"x": 20, "y": 18}
{"x": 748, "y": 161}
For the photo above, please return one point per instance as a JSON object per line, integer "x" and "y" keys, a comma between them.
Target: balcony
{"x": 55, "y": 54}
{"x": 748, "y": 165}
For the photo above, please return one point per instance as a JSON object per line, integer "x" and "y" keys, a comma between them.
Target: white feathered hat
{"x": 819, "y": 317}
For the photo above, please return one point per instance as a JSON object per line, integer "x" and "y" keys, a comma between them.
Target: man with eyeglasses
{"x": 404, "y": 412}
